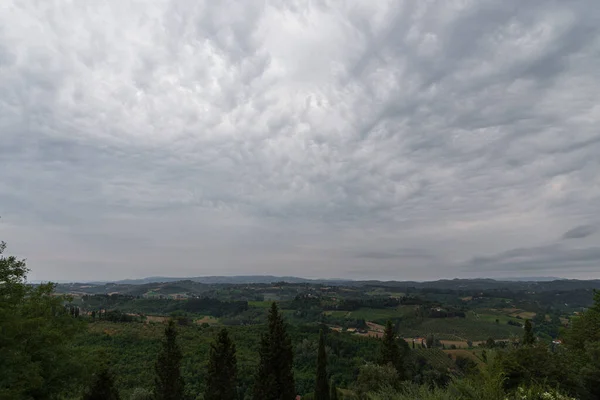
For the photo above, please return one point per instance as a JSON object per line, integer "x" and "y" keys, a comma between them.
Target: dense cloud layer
{"x": 363, "y": 139}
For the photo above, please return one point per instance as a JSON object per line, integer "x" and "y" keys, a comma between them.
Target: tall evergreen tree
{"x": 103, "y": 387}
{"x": 321, "y": 384}
{"x": 333, "y": 394}
{"x": 222, "y": 369}
{"x": 528, "y": 337}
{"x": 275, "y": 379}
{"x": 169, "y": 383}
{"x": 390, "y": 352}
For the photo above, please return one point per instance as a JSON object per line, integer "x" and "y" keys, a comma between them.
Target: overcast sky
{"x": 348, "y": 139}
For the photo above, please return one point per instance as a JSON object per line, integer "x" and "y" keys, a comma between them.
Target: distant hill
{"x": 199, "y": 285}
{"x": 531, "y": 279}
{"x": 212, "y": 280}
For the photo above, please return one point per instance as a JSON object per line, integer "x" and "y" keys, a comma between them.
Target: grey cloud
{"x": 381, "y": 255}
{"x": 398, "y": 254}
{"x": 456, "y": 127}
{"x": 544, "y": 258}
{"x": 580, "y": 232}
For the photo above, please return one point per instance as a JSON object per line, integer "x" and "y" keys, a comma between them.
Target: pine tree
{"x": 222, "y": 369}
{"x": 321, "y": 384}
{"x": 275, "y": 379}
{"x": 390, "y": 352}
{"x": 168, "y": 382}
{"x": 333, "y": 394}
{"x": 103, "y": 387}
{"x": 528, "y": 337}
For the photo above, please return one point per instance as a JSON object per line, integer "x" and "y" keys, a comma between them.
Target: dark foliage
{"x": 275, "y": 377}
{"x": 321, "y": 384}
{"x": 103, "y": 387}
{"x": 169, "y": 383}
{"x": 391, "y": 352}
{"x": 528, "y": 336}
{"x": 221, "y": 380}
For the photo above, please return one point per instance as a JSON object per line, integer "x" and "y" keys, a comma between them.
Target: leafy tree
{"x": 490, "y": 343}
{"x": 466, "y": 365}
{"x": 390, "y": 351}
{"x": 374, "y": 378}
{"x": 169, "y": 383}
{"x": 221, "y": 380}
{"x": 275, "y": 379}
{"x": 103, "y": 387}
{"x": 528, "y": 337}
{"x": 333, "y": 392}
{"x": 527, "y": 365}
{"x": 141, "y": 394}
{"x": 36, "y": 359}
{"x": 586, "y": 327}
{"x": 322, "y": 384}
{"x": 583, "y": 339}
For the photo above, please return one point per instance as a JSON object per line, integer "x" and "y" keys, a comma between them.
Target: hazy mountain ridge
{"x": 199, "y": 285}
{"x": 236, "y": 279}
{"x": 252, "y": 279}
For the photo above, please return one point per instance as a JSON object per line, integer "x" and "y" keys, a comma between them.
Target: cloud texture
{"x": 362, "y": 139}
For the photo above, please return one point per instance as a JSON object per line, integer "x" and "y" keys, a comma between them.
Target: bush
{"x": 539, "y": 393}
{"x": 141, "y": 394}
{"x": 375, "y": 378}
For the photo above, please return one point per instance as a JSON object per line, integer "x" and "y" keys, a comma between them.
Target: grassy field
{"x": 436, "y": 357}
{"x": 520, "y": 313}
{"x": 385, "y": 293}
{"x": 379, "y": 315}
{"x": 208, "y": 320}
{"x": 461, "y": 329}
{"x": 260, "y": 304}
{"x": 464, "y": 353}
{"x": 491, "y": 315}
{"x": 478, "y": 326}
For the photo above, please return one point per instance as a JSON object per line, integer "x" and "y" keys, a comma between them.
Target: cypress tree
{"x": 390, "y": 352}
{"x": 103, "y": 387}
{"x": 321, "y": 385}
{"x": 222, "y": 369}
{"x": 333, "y": 394}
{"x": 168, "y": 382}
{"x": 528, "y": 337}
{"x": 275, "y": 379}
